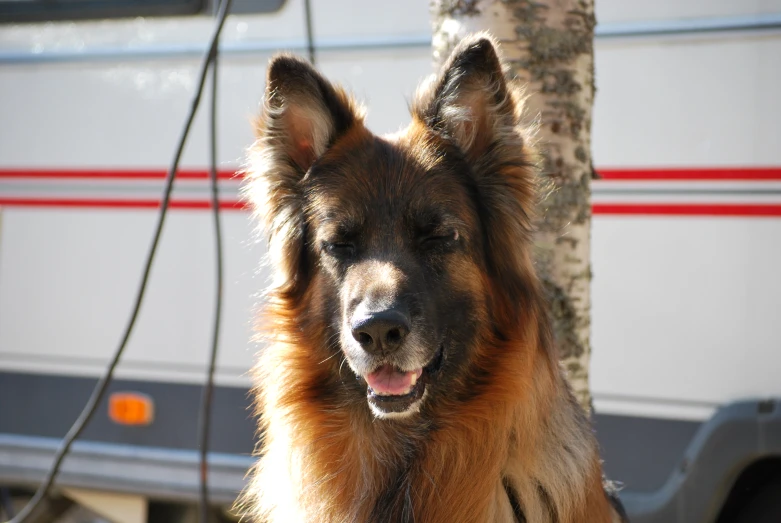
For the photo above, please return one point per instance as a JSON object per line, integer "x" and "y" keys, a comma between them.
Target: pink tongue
{"x": 387, "y": 380}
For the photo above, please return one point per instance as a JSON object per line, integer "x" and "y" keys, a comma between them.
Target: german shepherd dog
{"x": 410, "y": 374}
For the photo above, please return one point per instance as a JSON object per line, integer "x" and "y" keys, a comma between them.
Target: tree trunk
{"x": 549, "y": 46}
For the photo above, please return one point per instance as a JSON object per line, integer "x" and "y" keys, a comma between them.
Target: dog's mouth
{"x": 392, "y": 391}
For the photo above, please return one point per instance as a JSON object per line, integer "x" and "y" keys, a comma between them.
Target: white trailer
{"x": 686, "y": 239}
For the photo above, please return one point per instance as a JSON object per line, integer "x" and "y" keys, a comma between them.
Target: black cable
{"x": 208, "y": 389}
{"x": 310, "y": 41}
{"x": 6, "y": 503}
{"x": 100, "y": 388}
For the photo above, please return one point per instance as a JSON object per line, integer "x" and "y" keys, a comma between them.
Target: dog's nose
{"x": 381, "y": 332}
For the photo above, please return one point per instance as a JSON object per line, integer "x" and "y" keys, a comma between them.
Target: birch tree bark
{"x": 549, "y": 46}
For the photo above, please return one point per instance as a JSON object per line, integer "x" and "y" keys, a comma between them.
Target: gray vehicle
{"x": 686, "y": 243}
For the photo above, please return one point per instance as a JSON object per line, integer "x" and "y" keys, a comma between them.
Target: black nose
{"x": 381, "y": 332}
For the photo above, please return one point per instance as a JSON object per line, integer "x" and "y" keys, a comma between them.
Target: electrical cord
{"x": 310, "y": 40}
{"x": 208, "y": 389}
{"x": 100, "y": 388}
{"x": 6, "y": 503}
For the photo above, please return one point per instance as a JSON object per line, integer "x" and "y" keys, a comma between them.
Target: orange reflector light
{"x": 131, "y": 408}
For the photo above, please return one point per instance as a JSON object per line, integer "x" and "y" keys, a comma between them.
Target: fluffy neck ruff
{"x": 518, "y": 439}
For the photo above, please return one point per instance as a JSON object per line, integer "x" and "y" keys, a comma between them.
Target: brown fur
{"x": 500, "y": 437}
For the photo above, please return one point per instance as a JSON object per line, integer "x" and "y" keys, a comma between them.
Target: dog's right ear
{"x": 303, "y": 112}
{"x": 303, "y": 115}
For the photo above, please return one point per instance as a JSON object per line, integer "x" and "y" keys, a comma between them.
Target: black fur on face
{"x": 390, "y": 237}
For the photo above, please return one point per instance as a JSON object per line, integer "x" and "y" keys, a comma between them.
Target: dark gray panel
{"x": 253, "y": 6}
{"x": 47, "y": 405}
{"x": 642, "y": 453}
{"x": 56, "y": 10}
{"x": 737, "y": 436}
{"x": 60, "y": 10}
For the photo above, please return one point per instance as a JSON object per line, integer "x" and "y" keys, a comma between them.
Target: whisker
{"x": 328, "y": 342}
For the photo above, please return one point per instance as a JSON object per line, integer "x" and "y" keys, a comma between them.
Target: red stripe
{"x": 115, "y": 174}
{"x": 117, "y": 204}
{"x": 714, "y": 174}
{"x": 637, "y": 209}
{"x": 688, "y": 209}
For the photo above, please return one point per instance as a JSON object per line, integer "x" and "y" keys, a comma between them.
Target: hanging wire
{"x": 310, "y": 41}
{"x": 101, "y": 386}
{"x": 208, "y": 389}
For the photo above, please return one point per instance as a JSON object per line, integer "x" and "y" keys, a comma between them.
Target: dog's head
{"x": 402, "y": 254}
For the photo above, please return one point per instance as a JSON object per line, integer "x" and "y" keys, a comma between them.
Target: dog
{"x": 410, "y": 373}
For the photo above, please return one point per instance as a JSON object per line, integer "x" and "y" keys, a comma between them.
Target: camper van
{"x": 686, "y": 242}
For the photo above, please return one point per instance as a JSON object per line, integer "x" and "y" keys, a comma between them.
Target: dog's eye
{"x": 339, "y": 249}
{"x": 438, "y": 240}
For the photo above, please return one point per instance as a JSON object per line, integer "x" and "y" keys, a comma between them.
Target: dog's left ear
{"x": 472, "y": 106}
{"x": 470, "y": 102}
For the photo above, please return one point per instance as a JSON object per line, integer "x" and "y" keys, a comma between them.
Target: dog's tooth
{"x": 414, "y": 380}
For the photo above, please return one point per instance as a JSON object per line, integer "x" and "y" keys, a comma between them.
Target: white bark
{"x": 549, "y": 46}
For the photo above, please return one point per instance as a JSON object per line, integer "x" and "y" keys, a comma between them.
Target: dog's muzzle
{"x": 396, "y": 382}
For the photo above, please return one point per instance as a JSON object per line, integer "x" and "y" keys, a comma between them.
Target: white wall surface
{"x": 685, "y": 308}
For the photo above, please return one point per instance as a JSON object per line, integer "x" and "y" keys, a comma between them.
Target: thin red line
{"x": 117, "y": 203}
{"x": 636, "y": 209}
{"x": 114, "y": 174}
{"x": 736, "y": 174}
{"x": 688, "y": 209}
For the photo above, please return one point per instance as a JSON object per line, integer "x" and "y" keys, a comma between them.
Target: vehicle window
{"x": 53, "y": 10}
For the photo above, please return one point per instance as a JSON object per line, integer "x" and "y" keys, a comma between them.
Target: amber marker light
{"x": 131, "y": 408}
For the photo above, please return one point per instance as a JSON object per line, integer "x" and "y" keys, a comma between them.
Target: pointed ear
{"x": 470, "y": 102}
{"x": 472, "y": 106}
{"x": 303, "y": 115}
{"x": 303, "y": 112}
